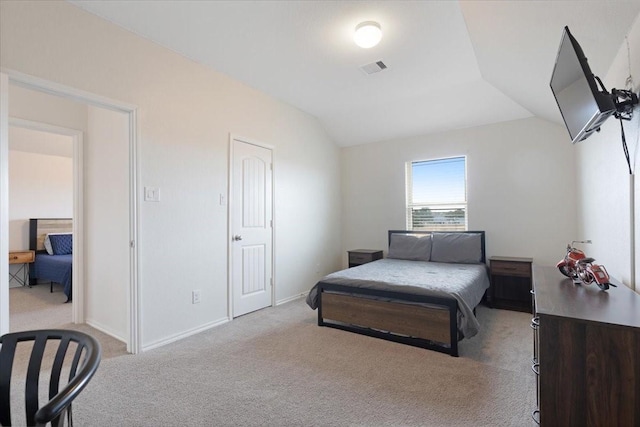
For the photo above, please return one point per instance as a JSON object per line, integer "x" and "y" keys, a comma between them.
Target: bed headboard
{"x": 481, "y": 233}
{"x": 40, "y": 227}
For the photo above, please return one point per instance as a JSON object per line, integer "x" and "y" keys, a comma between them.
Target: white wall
{"x": 106, "y": 221}
{"x": 520, "y": 187}
{"x": 185, "y": 114}
{"x": 44, "y": 108}
{"x": 40, "y": 186}
{"x": 603, "y": 178}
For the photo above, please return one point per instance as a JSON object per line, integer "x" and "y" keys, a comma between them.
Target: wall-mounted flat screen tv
{"x": 583, "y": 107}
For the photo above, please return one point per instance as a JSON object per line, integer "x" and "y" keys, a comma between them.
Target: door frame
{"x": 77, "y": 280}
{"x": 8, "y": 76}
{"x": 230, "y": 206}
{"x": 4, "y": 202}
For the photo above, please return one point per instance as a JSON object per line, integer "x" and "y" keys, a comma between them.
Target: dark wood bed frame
{"x": 353, "y": 309}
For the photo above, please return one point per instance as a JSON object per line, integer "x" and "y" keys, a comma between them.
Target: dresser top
{"x": 511, "y": 259}
{"x": 557, "y": 295}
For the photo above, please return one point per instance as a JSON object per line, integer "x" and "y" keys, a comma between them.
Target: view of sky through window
{"x": 439, "y": 181}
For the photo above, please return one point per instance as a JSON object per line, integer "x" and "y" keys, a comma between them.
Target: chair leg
{"x": 51, "y": 287}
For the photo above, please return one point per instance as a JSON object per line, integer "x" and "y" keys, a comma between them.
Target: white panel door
{"x": 251, "y": 227}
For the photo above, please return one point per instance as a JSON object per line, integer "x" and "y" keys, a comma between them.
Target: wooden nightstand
{"x": 511, "y": 283}
{"x": 363, "y": 256}
{"x": 24, "y": 258}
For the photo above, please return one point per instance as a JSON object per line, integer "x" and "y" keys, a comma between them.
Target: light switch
{"x": 223, "y": 199}
{"x": 151, "y": 194}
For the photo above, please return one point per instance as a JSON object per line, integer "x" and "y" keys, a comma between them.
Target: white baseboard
{"x": 204, "y": 327}
{"x": 185, "y": 334}
{"x": 293, "y": 298}
{"x": 104, "y": 329}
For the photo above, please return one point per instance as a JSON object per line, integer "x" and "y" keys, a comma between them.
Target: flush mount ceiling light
{"x": 368, "y": 34}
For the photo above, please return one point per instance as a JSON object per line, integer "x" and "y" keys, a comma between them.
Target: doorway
{"x": 43, "y": 170}
{"x": 251, "y": 226}
{"x": 126, "y": 247}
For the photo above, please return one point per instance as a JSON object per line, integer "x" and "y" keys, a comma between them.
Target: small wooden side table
{"x": 511, "y": 283}
{"x": 24, "y": 258}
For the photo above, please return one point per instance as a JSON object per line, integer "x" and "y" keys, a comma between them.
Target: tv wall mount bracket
{"x": 624, "y": 100}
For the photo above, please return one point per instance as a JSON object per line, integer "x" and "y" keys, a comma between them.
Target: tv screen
{"x": 583, "y": 107}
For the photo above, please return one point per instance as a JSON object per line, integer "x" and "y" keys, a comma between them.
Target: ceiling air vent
{"x": 374, "y": 67}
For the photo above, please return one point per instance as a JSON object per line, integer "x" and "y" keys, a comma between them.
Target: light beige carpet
{"x": 276, "y": 367}
{"x": 38, "y": 308}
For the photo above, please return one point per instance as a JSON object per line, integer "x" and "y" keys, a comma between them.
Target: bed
{"x": 423, "y": 294}
{"x": 51, "y": 239}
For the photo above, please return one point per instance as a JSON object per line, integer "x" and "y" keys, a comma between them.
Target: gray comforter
{"x": 464, "y": 282}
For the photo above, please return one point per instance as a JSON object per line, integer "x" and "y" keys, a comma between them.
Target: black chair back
{"x": 84, "y": 362}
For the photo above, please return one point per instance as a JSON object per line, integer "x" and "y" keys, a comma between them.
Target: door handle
{"x": 237, "y": 237}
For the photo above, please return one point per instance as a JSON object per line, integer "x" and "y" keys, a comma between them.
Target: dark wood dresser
{"x": 586, "y": 352}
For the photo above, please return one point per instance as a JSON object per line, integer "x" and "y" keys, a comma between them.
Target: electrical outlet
{"x": 195, "y": 296}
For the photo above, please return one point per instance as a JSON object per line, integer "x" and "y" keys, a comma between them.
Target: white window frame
{"x": 410, "y": 206}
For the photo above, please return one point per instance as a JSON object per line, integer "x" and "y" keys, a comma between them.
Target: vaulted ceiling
{"x": 451, "y": 64}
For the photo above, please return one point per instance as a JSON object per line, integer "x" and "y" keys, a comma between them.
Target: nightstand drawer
{"x": 358, "y": 258}
{"x": 510, "y": 268}
{"x": 21, "y": 257}
{"x": 363, "y": 256}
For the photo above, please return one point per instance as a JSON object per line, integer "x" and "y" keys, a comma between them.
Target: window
{"x": 437, "y": 195}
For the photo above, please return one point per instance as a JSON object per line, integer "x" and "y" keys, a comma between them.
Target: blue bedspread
{"x": 55, "y": 268}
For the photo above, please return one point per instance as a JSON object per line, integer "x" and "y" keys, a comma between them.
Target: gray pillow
{"x": 413, "y": 247}
{"x": 457, "y": 247}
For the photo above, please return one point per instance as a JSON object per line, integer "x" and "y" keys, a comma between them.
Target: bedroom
{"x": 186, "y": 112}
{"x": 40, "y": 185}
{"x": 167, "y": 146}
